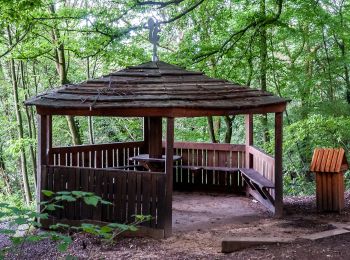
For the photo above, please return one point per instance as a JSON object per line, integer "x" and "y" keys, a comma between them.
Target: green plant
{"x": 22, "y": 223}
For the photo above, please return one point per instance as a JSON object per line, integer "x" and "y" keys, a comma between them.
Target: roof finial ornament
{"x": 154, "y": 29}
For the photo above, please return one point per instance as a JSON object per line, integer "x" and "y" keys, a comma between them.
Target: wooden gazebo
{"x": 139, "y": 177}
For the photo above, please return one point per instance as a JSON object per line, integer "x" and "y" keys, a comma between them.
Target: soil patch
{"x": 202, "y": 221}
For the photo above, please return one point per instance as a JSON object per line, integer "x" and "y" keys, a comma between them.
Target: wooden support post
{"x": 145, "y": 135}
{"x": 169, "y": 153}
{"x": 155, "y": 137}
{"x": 44, "y": 146}
{"x": 49, "y": 159}
{"x": 249, "y": 141}
{"x": 278, "y": 164}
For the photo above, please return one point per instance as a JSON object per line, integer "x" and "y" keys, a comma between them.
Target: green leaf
{"x": 21, "y": 220}
{"x": 105, "y": 202}
{"x": 51, "y": 207}
{"x": 16, "y": 240}
{"x": 142, "y": 218}
{"x": 62, "y": 247}
{"x": 65, "y": 241}
{"x": 68, "y": 198}
{"x": 37, "y": 224}
{"x": 7, "y": 231}
{"x": 4, "y": 205}
{"x": 90, "y": 228}
{"x": 113, "y": 225}
{"x": 47, "y": 193}
{"x": 122, "y": 227}
{"x": 59, "y": 225}
{"x": 34, "y": 238}
{"x": 91, "y": 200}
{"x": 106, "y": 229}
{"x": 133, "y": 228}
{"x": 78, "y": 194}
{"x": 38, "y": 215}
{"x": 3, "y": 214}
{"x": 63, "y": 193}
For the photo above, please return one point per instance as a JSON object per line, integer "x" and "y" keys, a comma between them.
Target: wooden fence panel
{"x": 130, "y": 193}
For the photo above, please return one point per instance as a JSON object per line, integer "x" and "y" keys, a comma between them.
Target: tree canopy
{"x": 295, "y": 49}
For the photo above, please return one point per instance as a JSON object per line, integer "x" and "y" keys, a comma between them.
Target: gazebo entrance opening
{"x": 139, "y": 177}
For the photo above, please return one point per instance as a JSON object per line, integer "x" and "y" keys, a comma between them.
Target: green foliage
{"x": 317, "y": 131}
{"x": 301, "y": 138}
{"x": 22, "y": 222}
{"x": 307, "y": 62}
{"x": 111, "y": 230}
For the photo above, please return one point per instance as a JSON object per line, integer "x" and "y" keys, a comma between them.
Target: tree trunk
{"x": 343, "y": 51}
{"x": 228, "y": 121}
{"x": 90, "y": 121}
{"x": 211, "y": 129}
{"x": 62, "y": 72}
{"x": 330, "y": 90}
{"x": 23, "y": 161}
{"x": 263, "y": 68}
{"x": 217, "y": 126}
{"x": 29, "y": 119}
{"x": 3, "y": 174}
{"x": 73, "y": 128}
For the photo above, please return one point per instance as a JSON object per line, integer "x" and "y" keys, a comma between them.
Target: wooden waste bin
{"x": 329, "y": 166}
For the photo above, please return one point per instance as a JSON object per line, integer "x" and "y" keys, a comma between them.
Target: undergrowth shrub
{"x": 21, "y": 225}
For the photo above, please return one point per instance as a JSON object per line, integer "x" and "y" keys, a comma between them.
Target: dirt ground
{"x": 201, "y": 221}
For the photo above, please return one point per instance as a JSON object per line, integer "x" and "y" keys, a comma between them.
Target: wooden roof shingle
{"x": 156, "y": 88}
{"x": 328, "y": 160}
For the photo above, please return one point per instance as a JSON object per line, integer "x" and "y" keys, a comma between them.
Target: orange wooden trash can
{"x": 329, "y": 166}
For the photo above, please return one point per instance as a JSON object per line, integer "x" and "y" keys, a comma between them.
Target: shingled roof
{"x": 329, "y": 160}
{"x": 159, "y": 89}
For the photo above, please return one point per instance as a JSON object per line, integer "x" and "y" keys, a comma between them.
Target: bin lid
{"x": 329, "y": 160}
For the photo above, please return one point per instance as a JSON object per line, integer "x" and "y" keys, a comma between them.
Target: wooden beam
{"x": 169, "y": 153}
{"x": 249, "y": 139}
{"x": 145, "y": 135}
{"x": 49, "y": 159}
{"x": 155, "y": 137}
{"x": 44, "y": 146}
{"x": 278, "y": 164}
{"x": 68, "y": 109}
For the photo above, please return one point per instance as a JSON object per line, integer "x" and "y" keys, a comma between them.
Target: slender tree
{"x": 17, "y": 108}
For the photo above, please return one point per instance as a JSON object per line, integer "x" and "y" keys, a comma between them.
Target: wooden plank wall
{"x": 95, "y": 156}
{"x": 131, "y": 193}
{"x": 209, "y": 155}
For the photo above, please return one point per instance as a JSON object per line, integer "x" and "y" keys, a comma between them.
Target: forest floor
{"x": 202, "y": 221}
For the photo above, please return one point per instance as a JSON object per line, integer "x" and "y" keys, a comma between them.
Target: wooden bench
{"x": 125, "y": 167}
{"x": 208, "y": 168}
{"x": 257, "y": 186}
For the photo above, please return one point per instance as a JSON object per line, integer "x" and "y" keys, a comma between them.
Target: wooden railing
{"x": 203, "y": 167}
{"x": 131, "y": 192}
{"x": 263, "y": 163}
{"x": 205, "y": 155}
{"x": 95, "y": 156}
{"x": 209, "y": 155}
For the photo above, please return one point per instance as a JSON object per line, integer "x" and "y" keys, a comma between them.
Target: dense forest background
{"x": 297, "y": 49}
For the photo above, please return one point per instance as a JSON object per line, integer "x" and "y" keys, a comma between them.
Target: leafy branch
{"x": 159, "y": 4}
{"x": 237, "y": 36}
